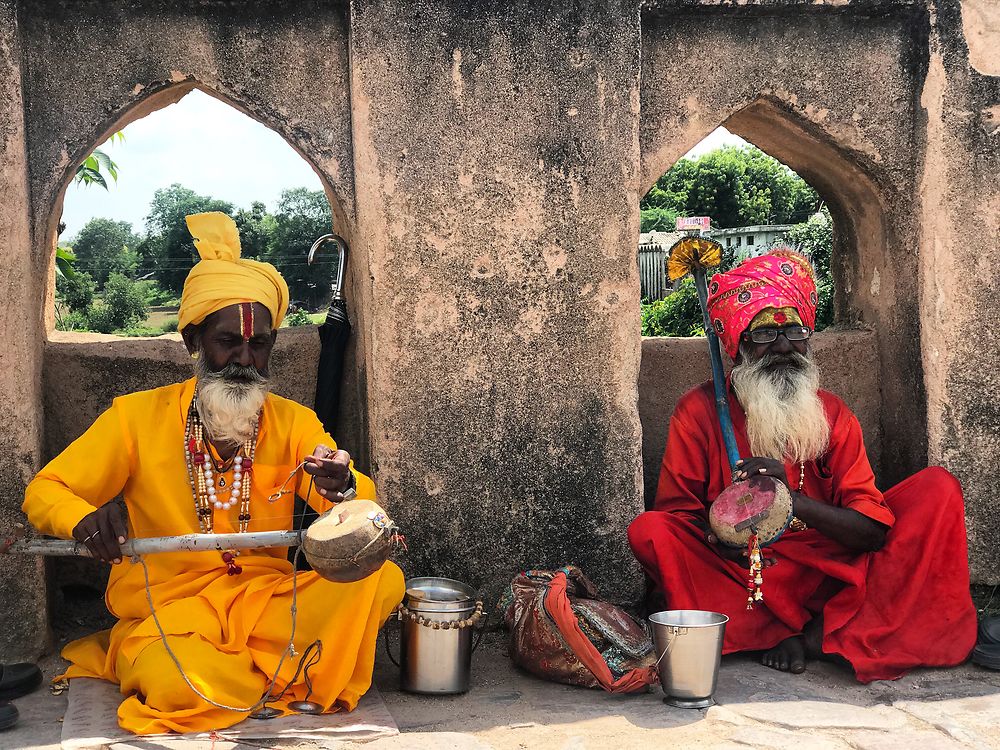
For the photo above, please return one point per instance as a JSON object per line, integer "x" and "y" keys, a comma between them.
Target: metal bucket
{"x": 688, "y": 646}
{"x": 438, "y": 616}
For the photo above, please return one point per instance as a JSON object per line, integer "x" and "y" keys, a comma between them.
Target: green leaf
{"x": 105, "y": 162}
{"x": 64, "y": 262}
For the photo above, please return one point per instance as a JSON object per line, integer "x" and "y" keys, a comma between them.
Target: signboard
{"x": 693, "y": 223}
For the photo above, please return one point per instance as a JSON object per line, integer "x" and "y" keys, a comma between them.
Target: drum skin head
{"x": 760, "y": 505}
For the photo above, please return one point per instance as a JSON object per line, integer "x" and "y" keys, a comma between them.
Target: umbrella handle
{"x": 341, "y": 244}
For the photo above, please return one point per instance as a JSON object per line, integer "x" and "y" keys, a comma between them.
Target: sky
{"x": 203, "y": 144}
{"x": 215, "y": 150}
{"x": 716, "y": 139}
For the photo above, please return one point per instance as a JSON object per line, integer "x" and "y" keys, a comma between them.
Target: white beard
{"x": 229, "y": 401}
{"x": 785, "y": 416}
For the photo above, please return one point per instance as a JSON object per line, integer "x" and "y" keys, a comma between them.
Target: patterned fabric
{"x": 775, "y": 317}
{"x": 782, "y": 278}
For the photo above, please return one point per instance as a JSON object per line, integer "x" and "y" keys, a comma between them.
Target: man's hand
{"x": 104, "y": 531}
{"x": 735, "y": 554}
{"x": 331, "y": 472}
{"x": 748, "y": 468}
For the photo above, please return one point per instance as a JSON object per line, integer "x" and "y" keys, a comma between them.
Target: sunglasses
{"x": 770, "y": 335}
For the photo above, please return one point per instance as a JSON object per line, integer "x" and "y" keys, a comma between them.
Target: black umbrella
{"x": 333, "y": 335}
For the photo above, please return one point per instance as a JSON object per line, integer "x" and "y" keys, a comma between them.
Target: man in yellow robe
{"x": 205, "y": 455}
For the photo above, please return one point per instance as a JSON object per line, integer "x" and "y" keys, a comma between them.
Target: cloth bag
{"x": 560, "y": 631}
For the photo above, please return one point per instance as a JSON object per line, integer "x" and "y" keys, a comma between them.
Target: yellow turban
{"x": 222, "y": 278}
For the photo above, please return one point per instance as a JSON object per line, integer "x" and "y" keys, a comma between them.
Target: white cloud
{"x": 203, "y": 144}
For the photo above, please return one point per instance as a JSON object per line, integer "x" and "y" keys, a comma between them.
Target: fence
{"x": 653, "y": 272}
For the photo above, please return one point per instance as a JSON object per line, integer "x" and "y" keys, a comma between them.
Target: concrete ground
{"x": 823, "y": 709}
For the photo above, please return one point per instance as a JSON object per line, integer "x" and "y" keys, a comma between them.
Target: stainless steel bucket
{"x": 688, "y": 646}
{"x": 438, "y": 616}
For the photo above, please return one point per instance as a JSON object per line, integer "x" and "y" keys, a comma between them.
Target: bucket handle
{"x": 675, "y": 631}
{"x": 469, "y": 622}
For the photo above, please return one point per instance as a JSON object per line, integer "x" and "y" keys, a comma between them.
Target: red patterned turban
{"x": 782, "y": 278}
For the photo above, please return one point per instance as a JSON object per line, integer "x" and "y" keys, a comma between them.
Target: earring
{"x": 194, "y": 355}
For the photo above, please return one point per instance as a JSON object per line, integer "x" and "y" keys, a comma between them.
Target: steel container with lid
{"x": 438, "y": 615}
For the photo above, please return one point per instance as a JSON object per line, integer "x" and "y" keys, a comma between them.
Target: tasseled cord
{"x": 756, "y": 578}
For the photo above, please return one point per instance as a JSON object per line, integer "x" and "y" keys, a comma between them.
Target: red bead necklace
{"x": 207, "y": 479}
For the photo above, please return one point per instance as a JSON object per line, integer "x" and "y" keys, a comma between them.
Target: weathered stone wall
{"x": 834, "y": 96}
{"x": 23, "y": 616}
{"x": 497, "y": 170}
{"x": 485, "y": 162}
{"x": 959, "y": 233}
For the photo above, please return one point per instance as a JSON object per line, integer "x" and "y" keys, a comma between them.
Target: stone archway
{"x": 83, "y": 372}
{"x": 870, "y": 294}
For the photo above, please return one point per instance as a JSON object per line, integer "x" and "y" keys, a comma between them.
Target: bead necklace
{"x": 204, "y": 487}
{"x": 796, "y": 524}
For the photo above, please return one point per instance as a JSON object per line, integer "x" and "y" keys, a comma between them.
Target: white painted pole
{"x": 155, "y": 544}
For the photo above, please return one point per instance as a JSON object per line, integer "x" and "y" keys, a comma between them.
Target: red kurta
{"x": 904, "y": 606}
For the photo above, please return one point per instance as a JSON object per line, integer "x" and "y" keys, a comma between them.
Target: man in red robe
{"x": 881, "y": 581}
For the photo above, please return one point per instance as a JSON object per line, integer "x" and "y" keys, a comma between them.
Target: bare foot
{"x": 787, "y": 656}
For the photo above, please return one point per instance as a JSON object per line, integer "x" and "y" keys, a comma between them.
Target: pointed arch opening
{"x": 865, "y": 355}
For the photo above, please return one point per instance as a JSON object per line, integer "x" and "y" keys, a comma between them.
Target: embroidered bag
{"x": 560, "y": 631}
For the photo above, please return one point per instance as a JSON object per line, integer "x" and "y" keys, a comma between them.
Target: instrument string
{"x": 289, "y": 650}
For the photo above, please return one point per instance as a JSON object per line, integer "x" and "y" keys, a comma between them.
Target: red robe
{"x": 904, "y": 606}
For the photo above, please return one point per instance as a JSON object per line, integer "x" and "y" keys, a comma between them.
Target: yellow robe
{"x": 228, "y": 631}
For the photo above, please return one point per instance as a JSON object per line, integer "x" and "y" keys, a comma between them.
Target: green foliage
{"x": 65, "y": 257}
{"x": 90, "y": 172}
{"x": 735, "y": 187}
{"x": 256, "y": 228}
{"x": 169, "y": 326}
{"x": 123, "y": 306}
{"x": 105, "y": 246}
{"x": 168, "y": 249}
{"x": 157, "y": 296}
{"x": 302, "y": 216}
{"x": 814, "y": 238}
{"x": 75, "y": 320}
{"x": 657, "y": 219}
{"x": 76, "y": 292}
{"x": 678, "y": 314}
{"x": 298, "y": 317}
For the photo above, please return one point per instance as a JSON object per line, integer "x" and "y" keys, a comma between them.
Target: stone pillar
{"x": 497, "y": 160}
{"x": 23, "y": 614}
{"x": 960, "y": 232}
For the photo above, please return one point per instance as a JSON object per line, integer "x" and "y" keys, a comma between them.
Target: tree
{"x": 123, "y": 306}
{"x": 657, "y": 219}
{"x": 814, "y": 238}
{"x": 302, "y": 216}
{"x": 168, "y": 250}
{"x": 104, "y": 247}
{"x": 76, "y": 291}
{"x": 256, "y": 228}
{"x": 735, "y": 187}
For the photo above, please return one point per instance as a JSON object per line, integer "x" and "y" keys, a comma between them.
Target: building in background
{"x": 747, "y": 242}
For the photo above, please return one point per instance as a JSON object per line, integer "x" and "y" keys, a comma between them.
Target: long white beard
{"x": 229, "y": 401}
{"x": 785, "y": 416}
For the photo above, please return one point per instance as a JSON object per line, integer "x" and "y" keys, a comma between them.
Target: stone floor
{"x": 823, "y": 709}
